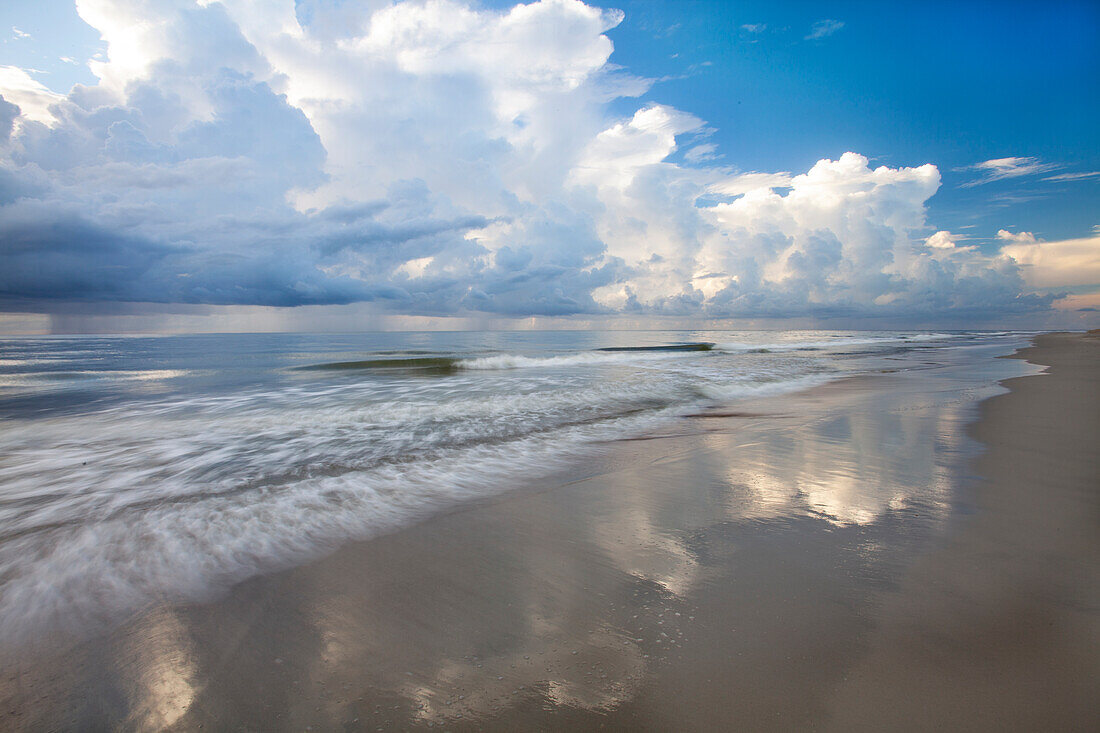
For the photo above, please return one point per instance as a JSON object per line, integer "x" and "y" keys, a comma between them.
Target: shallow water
{"x": 141, "y": 470}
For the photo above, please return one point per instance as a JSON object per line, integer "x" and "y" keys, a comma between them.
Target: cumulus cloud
{"x": 1019, "y": 237}
{"x": 8, "y": 114}
{"x": 824, "y": 28}
{"x": 31, "y": 96}
{"x": 1061, "y": 264}
{"x": 941, "y": 240}
{"x": 1000, "y": 169}
{"x": 436, "y": 157}
{"x": 836, "y": 242}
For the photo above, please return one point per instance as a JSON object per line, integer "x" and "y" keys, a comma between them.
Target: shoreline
{"x": 801, "y": 561}
{"x": 1000, "y": 628}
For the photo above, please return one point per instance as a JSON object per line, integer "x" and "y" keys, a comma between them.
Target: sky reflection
{"x": 579, "y": 598}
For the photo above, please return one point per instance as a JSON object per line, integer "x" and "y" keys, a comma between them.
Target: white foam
{"x": 838, "y": 342}
{"x": 63, "y": 379}
{"x": 85, "y": 575}
{"x": 746, "y": 390}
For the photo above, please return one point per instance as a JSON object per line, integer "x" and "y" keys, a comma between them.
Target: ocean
{"x": 142, "y": 470}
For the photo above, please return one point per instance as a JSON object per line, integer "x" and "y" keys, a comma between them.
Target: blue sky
{"x": 709, "y": 162}
{"x": 949, "y": 83}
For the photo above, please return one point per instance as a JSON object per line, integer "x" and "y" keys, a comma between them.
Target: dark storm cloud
{"x": 70, "y": 258}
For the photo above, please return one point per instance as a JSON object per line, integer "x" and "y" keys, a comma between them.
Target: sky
{"x": 173, "y": 165}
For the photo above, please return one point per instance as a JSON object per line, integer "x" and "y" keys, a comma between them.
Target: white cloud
{"x": 440, "y": 37}
{"x": 33, "y": 98}
{"x": 754, "y": 27}
{"x": 824, "y": 28}
{"x": 943, "y": 246}
{"x": 1061, "y": 177}
{"x": 742, "y": 183}
{"x": 439, "y": 157}
{"x": 838, "y": 242}
{"x": 700, "y": 153}
{"x": 478, "y": 102}
{"x": 621, "y": 152}
{"x": 1065, "y": 263}
{"x": 1000, "y": 169}
{"x": 941, "y": 240}
{"x": 1019, "y": 237}
{"x": 18, "y": 33}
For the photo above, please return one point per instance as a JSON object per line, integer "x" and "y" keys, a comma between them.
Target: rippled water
{"x": 134, "y": 470}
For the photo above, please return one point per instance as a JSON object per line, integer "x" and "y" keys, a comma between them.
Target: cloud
{"x": 33, "y": 98}
{"x": 16, "y": 33}
{"x": 824, "y": 28}
{"x": 44, "y": 253}
{"x": 436, "y": 158}
{"x": 835, "y": 244}
{"x": 620, "y": 153}
{"x": 1061, "y": 177}
{"x": 701, "y": 153}
{"x": 741, "y": 183}
{"x": 1020, "y": 238}
{"x": 941, "y": 240}
{"x": 8, "y": 114}
{"x": 1061, "y": 264}
{"x": 754, "y": 27}
{"x": 1000, "y": 169}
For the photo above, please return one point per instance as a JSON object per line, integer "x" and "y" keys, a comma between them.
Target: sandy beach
{"x": 887, "y": 552}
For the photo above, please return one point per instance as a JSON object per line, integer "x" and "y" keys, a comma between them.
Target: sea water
{"x": 139, "y": 470}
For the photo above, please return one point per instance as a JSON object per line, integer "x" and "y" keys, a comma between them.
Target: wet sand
{"x": 999, "y": 629}
{"x": 841, "y": 559}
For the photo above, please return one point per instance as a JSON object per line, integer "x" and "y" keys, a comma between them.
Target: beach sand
{"x": 842, "y": 559}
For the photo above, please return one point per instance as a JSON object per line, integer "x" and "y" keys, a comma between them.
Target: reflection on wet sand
{"x": 745, "y": 549}
{"x": 158, "y": 672}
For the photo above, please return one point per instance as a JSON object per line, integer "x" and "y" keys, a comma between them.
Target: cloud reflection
{"x": 573, "y": 595}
